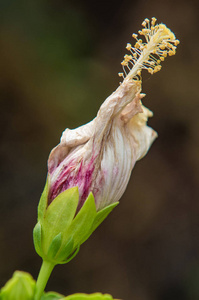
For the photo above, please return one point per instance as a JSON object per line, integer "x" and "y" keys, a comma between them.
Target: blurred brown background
{"x": 58, "y": 62}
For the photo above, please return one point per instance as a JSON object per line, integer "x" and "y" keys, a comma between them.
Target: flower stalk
{"x": 44, "y": 274}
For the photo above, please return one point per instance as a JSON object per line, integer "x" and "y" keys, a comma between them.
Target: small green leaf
{"x": 95, "y": 296}
{"x": 43, "y": 202}
{"x": 102, "y": 214}
{"x": 59, "y": 215}
{"x": 83, "y": 221}
{"x": 51, "y": 296}
{"x": 37, "y": 239}
{"x": 54, "y": 246}
{"x": 20, "y": 287}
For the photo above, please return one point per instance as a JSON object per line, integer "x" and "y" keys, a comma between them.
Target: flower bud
{"x": 20, "y": 287}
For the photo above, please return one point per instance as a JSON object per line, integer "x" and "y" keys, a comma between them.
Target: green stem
{"x": 42, "y": 279}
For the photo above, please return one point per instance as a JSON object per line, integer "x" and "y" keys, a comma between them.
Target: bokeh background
{"x": 58, "y": 62}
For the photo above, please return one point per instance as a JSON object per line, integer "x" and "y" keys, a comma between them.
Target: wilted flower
{"x": 98, "y": 157}
{"x": 89, "y": 170}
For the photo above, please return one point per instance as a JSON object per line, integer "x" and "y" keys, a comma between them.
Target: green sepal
{"x": 95, "y": 296}
{"x": 65, "y": 251}
{"x": 59, "y": 216}
{"x": 37, "y": 239}
{"x": 20, "y": 287}
{"x": 69, "y": 258}
{"x": 43, "y": 202}
{"x": 51, "y": 296}
{"x": 60, "y": 231}
{"x": 102, "y": 214}
{"x": 54, "y": 246}
{"x": 83, "y": 221}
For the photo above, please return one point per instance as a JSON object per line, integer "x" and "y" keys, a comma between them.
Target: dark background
{"x": 58, "y": 62}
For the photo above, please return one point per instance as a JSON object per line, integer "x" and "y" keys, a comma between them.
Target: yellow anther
{"x": 172, "y": 52}
{"x": 162, "y": 47}
{"x": 139, "y": 72}
{"x": 165, "y": 53}
{"x": 137, "y": 45}
{"x": 176, "y": 42}
{"x": 128, "y": 57}
{"x": 134, "y": 35}
{"x": 159, "y": 67}
{"x": 169, "y": 45}
{"x": 155, "y": 70}
{"x": 121, "y": 74}
{"x": 153, "y": 20}
{"x": 146, "y": 20}
{"x": 124, "y": 63}
{"x": 144, "y": 23}
{"x": 145, "y": 31}
{"x": 135, "y": 55}
{"x": 150, "y": 70}
{"x": 140, "y": 32}
{"x": 128, "y": 46}
{"x": 162, "y": 58}
{"x": 158, "y": 61}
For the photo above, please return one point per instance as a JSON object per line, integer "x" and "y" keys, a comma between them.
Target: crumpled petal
{"x": 98, "y": 157}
